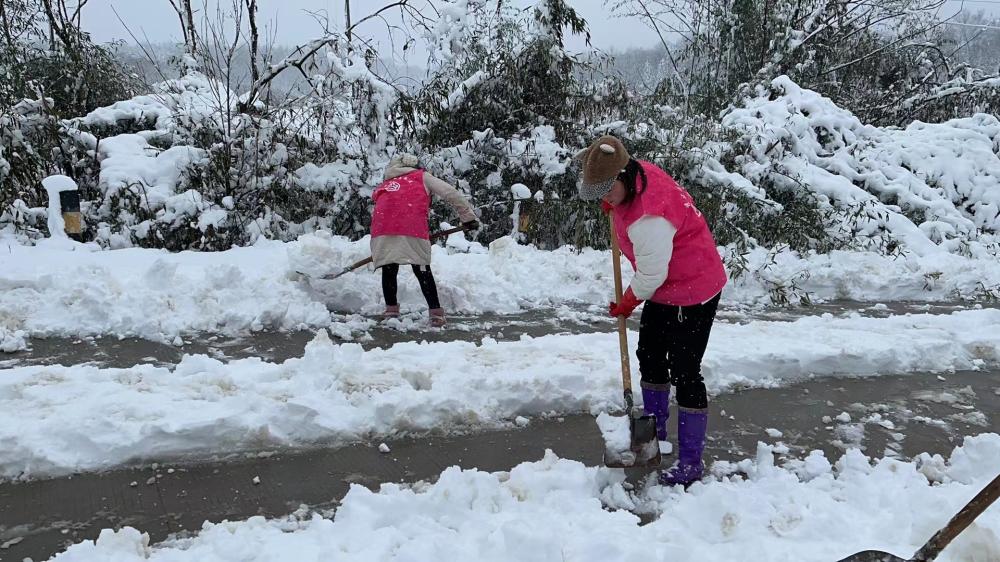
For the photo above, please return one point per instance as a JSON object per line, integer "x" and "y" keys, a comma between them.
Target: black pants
{"x": 672, "y": 341}
{"x": 424, "y": 277}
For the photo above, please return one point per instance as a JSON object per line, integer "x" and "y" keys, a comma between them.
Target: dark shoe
{"x": 691, "y": 428}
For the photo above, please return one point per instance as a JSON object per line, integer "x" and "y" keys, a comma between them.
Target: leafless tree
{"x": 347, "y": 19}
{"x": 185, "y": 13}
{"x": 254, "y": 39}
{"x": 715, "y": 46}
{"x": 64, "y": 24}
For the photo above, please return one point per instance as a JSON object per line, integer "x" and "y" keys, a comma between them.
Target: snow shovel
{"x": 644, "y": 448}
{"x": 942, "y": 538}
{"x": 368, "y": 260}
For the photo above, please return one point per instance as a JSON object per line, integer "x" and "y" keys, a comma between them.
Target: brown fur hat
{"x": 601, "y": 163}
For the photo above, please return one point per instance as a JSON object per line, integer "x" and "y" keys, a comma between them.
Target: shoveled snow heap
{"x": 12, "y": 340}
{"x": 64, "y": 288}
{"x": 556, "y": 509}
{"x": 342, "y": 393}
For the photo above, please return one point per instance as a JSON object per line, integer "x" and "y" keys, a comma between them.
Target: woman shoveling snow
{"x": 400, "y": 233}
{"x": 678, "y": 272}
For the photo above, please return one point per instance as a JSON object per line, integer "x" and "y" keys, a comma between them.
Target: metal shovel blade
{"x": 325, "y": 277}
{"x": 332, "y": 276}
{"x": 942, "y": 538}
{"x": 644, "y": 448}
{"x": 873, "y": 556}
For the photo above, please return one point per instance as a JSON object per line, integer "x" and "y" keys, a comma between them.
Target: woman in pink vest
{"x": 678, "y": 272}
{"x": 400, "y": 234}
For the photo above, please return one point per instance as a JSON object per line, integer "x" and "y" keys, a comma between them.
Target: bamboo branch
{"x": 291, "y": 61}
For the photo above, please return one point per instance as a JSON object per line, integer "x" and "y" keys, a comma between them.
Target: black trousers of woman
{"x": 672, "y": 342}
{"x": 424, "y": 277}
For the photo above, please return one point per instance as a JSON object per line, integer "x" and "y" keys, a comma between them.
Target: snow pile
{"x": 930, "y": 187}
{"x": 342, "y": 393}
{"x": 507, "y": 277}
{"x": 63, "y": 288}
{"x": 864, "y": 276}
{"x": 12, "y": 340}
{"x": 76, "y": 290}
{"x": 72, "y": 289}
{"x": 557, "y": 509}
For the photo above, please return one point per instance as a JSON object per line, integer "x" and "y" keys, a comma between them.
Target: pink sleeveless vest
{"x": 401, "y": 207}
{"x": 696, "y": 273}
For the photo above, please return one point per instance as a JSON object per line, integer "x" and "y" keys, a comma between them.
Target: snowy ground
{"x": 338, "y": 393}
{"x": 58, "y": 419}
{"x": 62, "y": 288}
{"x": 816, "y": 509}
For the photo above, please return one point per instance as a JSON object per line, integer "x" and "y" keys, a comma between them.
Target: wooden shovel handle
{"x": 350, "y": 268}
{"x": 616, "y": 261}
{"x": 448, "y": 232}
{"x": 368, "y": 260}
{"x": 959, "y": 522}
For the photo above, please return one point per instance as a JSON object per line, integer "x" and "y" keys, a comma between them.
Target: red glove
{"x": 626, "y": 307}
{"x": 606, "y": 207}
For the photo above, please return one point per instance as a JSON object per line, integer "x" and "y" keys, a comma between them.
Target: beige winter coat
{"x": 408, "y": 250}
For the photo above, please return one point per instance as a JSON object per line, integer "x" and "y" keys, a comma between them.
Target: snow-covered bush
{"x": 205, "y": 161}
{"x": 926, "y": 188}
{"x": 506, "y": 103}
{"x": 196, "y": 165}
{"x": 49, "y": 69}
{"x": 869, "y": 58}
{"x": 30, "y": 146}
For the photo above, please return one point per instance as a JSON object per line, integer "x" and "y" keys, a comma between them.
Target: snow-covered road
{"x": 55, "y": 419}
{"x": 66, "y": 289}
{"x": 894, "y": 416}
{"x": 817, "y": 509}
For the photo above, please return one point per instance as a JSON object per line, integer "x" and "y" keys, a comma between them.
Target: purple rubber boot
{"x": 691, "y": 427}
{"x": 657, "y": 403}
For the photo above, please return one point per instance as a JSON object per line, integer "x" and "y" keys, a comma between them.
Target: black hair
{"x": 630, "y": 176}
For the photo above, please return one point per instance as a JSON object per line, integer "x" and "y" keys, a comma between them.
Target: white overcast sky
{"x": 291, "y": 23}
